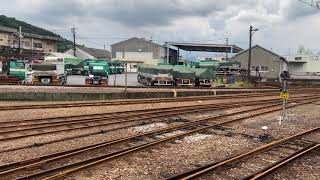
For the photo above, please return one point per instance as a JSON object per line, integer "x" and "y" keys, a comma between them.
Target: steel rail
{"x": 92, "y": 115}
{"x": 121, "y": 114}
{"x": 206, "y": 169}
{"x": 113, "y": 123}
{"x": 149, "y": 114}
{"x": 267, "y": 171}
{"x": 90, "y": 162}
{"x": 103, "y": 131}
{"x": 35, "y": 122}
{"x": 185, "y": 125}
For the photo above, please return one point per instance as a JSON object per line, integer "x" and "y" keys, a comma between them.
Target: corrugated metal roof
{"x": 135, "y": 38}
{"x": 97, "y": 53}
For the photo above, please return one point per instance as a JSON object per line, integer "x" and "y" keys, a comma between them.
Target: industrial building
{"x": 136, "y": 51}
{"x": 264, "y": 63}
{"x": 305, "y": 67}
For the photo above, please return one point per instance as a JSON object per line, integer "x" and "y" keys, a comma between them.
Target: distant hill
{"x": 28, "y": 28}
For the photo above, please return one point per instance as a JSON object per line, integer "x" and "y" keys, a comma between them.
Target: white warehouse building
{"x": 304, "y": 66}
{"x": 135, "y": 51}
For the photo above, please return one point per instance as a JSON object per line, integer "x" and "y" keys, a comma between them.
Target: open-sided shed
{"x": 173, "y": 53}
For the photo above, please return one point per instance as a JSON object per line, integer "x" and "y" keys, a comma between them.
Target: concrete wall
{"x": 261, "y": 57}
{"x": 28, "y": 96}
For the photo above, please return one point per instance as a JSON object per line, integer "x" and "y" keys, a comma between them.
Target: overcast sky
{"x": 283, "y": 25}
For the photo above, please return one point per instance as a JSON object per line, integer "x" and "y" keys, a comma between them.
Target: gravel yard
{"x": 199, "y": 149}
{"x": 58, "y": 112}
{"x": 172, "y": 158}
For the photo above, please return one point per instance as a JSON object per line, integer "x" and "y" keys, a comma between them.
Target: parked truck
{"x": 155, "y": 75}
{"x": 74, "y": 66}
{"x": 51, "y": 71}
{"x": 116, "y": 67}
{"x": 98, "y": 73}
{"x": 203, "y": 77}
{"x": 183, "y": 76}
{"x": 17, "y": 68}
{"x": 14, "y": 71}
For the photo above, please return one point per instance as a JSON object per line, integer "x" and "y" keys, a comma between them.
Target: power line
{"x": 312, "y": 3}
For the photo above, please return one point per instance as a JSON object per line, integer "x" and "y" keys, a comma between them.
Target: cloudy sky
{"x": 284, "y": 25}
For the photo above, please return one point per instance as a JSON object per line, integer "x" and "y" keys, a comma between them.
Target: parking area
{"x": 118, "y": 80}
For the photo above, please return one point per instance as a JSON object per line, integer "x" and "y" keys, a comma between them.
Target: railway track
{"x": 22, "y": 129}
{"x": 259, "y": 162}
{"x": 163, "y": 117}
{"x": 132, "y": 102}
{"x": 63, "y": 163}
{"x": 145, "y": 101}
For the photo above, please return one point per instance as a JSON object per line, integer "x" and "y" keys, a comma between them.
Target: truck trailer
{"x": 203, "y": 77}
{"x": 183, "y": 76}
{"x": 155, "y": 75}
{"x": 51, "y": 71}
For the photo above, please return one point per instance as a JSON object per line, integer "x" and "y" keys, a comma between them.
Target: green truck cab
{"x": 99, "y": 69}
{"x": 17, "y": 68}
{"x": 116, "y": 67}
{"x": 97, "y": 74}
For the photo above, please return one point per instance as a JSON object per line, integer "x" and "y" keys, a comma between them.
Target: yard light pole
{"x": 250, "y": 46}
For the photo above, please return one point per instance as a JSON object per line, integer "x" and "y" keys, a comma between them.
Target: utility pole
{"x": 104, "y": 48}
{"x": 19, "y": 41}
{"x": 73, "y": 31}
{"x": 227, "y": 48}
{"x": 250, "y": 46}
{"x": 249, "y": 61}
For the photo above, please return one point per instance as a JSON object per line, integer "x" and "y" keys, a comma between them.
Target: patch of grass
{"x": 241, "y": 84}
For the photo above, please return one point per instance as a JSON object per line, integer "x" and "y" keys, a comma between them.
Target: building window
{"x": 311, "y": 58}
{"x": 37, "y": 45}
{"x": 265, "y": 68}
{"x": 26, "y": 44}
{"x": 255, "y": 68}
{"x": 298, "y": 58}
{"x": 316, "y": 58}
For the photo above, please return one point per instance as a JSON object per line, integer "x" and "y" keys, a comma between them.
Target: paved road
{"x": 120, "y": 80}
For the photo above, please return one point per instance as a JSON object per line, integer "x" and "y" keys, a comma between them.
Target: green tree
{"x": 303, "y": 51}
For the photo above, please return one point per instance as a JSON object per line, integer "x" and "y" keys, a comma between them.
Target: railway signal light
{"x": 285, "y": 75}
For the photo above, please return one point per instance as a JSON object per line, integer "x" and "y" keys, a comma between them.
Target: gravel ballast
{"x": 173, "y": 158}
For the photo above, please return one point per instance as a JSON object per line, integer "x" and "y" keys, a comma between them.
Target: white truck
{"x": 51, "y": 71}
